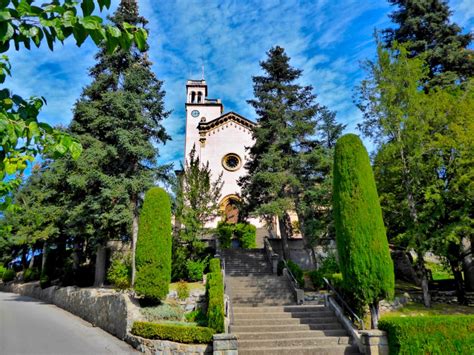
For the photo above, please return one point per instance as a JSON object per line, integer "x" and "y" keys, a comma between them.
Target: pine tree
{"x": 118, "y": 121}
{"x": 284, "y": 142}
{"x": 427, "y": 26}
{"x": 362, "y": 245}
{"x": 153, "y": 254}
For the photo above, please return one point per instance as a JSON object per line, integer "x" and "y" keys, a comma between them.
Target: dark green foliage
{"x": 215, "y": 297}
{"x": 31, "y": 274}
{"x": 429, "y": 334}
{"x": 215, "y": 265}
{"x": 177, "y": 333}
{"x": 245, "y": 233}
{"x": 280, "y": 267}
{"x": 225, "y": 232}
{"x": 426, "y": 28}
{"x": 328, "y": 267}
{"x": 8, "y": 275}
{"x": 120, "y": 273}
{"x": 182, "y": 290}
{"x": 153, "y": 254}
{"x": 196, "y": 269}
{"x": 297, "y": 272}
{"x": 364, "y": 256}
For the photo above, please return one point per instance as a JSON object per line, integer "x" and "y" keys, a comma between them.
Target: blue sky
{"x": 326, "y": 38}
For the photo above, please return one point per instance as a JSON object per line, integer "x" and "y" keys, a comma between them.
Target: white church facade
{"x": 220, "y": 139}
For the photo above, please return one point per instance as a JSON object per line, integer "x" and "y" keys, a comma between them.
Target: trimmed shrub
{"x": 32, "y": 274}
{"x": 177, "y": 333}
{"x": 120, "y": 273}
{"x": 247, "y": 234}
{"x": 8, "y": 275}
{"x": 215, "y": 265}
{"x": 164, "y": 311}
{"x": 297, "y": 272}
{"x": 196, "y": 269}
{"x": 153, "y": 253}
{"x": 429, "y": 334}
{"x": 215, "y": 297}
{"x": 182, "y": 290}
{"x": 364, "y": 256}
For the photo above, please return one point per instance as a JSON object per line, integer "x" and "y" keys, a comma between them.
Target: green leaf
{"x": 69, "y": 19}
{"x": 5, "y": 16}
{"x": 33, "y": 130}
{"x": 6, "y": 31}
{"x": 79, "y": 33}
{"x": 97, "y": 36}
{"x": 87, "y": 7}
{"x": 76, "y": 149}
{"x": 104, "y": 3}
{"x": 23, "y": 8}
{"x": 114, "y": 31}
{"x": 140, "y": 39}
{"x": 91, "y": 22}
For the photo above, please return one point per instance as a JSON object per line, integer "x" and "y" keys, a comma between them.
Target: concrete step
{"x": 283, "y": 316}
{"x": 290, "y": 321}
{"x": 291, "y": 334}
{"x": 302, "y": 342}
{"x": 259, "y": 303}
{"x": 236, "y": 329}
{"x": 294, "y": 308}
{"x": 320, "y": 350}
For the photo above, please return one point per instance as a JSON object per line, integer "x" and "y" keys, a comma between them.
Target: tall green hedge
{"x": 429, "y": 335}
{"x": 364, "y": 255}
{"x": 215, "y": 297}
{"x": 153, "y": 253}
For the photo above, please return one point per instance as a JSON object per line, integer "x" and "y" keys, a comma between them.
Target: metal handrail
{"x": 291, "y": 274}
{"x": 344, "y": 304}
{"x": 229, "y": 311}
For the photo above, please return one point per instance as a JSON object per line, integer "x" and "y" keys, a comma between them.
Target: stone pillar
{"x": 225, "y": 344}
{"x": 374, "y": 342}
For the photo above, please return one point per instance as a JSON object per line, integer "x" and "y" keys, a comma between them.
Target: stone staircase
{"x": 266, "y": 319}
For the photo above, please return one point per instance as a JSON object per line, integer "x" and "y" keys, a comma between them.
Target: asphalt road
{"x": 29, "y": 326}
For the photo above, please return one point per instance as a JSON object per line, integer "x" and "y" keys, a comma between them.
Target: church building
{"x": 220, "y": 139}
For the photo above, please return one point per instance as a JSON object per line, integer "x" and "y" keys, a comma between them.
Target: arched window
{"x": 193, "y": 97}
{"x": 199, "y": 97}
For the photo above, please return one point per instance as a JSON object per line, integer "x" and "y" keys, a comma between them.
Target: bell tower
{"x": 199, "y": 108}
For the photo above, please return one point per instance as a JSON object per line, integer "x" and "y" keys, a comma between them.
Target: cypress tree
{"x": 426, "y": 25}
{"x": 364, "y": 256}
{"x": 153, "y": 254}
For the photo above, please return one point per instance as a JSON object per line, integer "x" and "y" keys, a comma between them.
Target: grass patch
{"x": 191, "y": 285}
{"x": 439, "y": 271}
{"x": 437, "y": 309}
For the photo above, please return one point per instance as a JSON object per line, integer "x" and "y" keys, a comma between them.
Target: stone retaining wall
{"x": 112, "y": 311}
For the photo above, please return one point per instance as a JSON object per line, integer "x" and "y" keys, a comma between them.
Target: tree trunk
{"x": 134, "y": 237}
{"x": 423, "y": 276}
{"x": 458, "y": 281}
{"x": 32, "y": 260}
{"x": 44, "y": 256}
{"x": 75, "y": 257}
{"x": 99, "y": 277}
{"x": 282, "y": 222}
{"x": 468, "y": 264}
{"x": 374, "y": 315}
{"x": 24, "y": 254}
